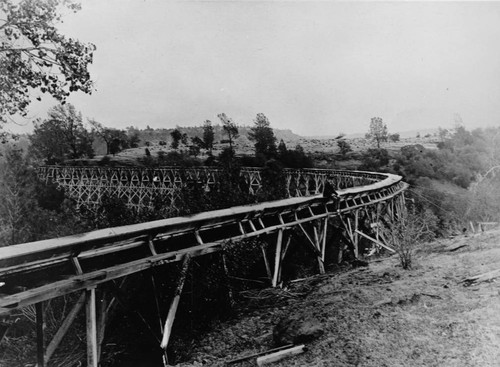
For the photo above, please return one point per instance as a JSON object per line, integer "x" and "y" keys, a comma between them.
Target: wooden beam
{"x": 356, "y": 237}
{"x": 90, "y": 307}
{"x": 321, "y": 264}
{"x": 39, "y": 310}
{"x": 63, "y": 329}
{"x": 277, "y": 259}
{"x": 277, "y": 356}
{"x": 375, "y": 241}
{"x": 266, "y": 263}
{"x": 323, "y": 241}
{"x": 167, "y": 329}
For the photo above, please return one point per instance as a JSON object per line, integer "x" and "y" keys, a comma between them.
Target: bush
{"x": 407, "y": 232}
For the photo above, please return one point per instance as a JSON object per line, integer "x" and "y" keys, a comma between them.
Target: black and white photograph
{"x": 249, "y": 183}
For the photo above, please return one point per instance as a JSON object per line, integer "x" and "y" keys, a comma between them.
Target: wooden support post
{"x": 277, "y": 259}
{"x": 283, "y": 253}
{"x": 375, "y": 241}
{"x": 167, "y": 329}
{"x": 317, "y": 243}
{"x": 266, "y": 262}
{"x": 323, "y": 242}
{"x": 104, "y": 310}
{"x": 90, "y": 306}
{"x": 63, "y": 329}
{"x": 226, "y": 270}
{"x": 39, "y": 335}
{"x": 355, "y": 234}
{"x": 157, "y": 302}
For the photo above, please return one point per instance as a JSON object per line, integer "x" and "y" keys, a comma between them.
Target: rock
{"x": 293, "y": 330}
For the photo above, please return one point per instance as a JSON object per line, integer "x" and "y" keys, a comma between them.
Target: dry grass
{"x": 383, "y": 315}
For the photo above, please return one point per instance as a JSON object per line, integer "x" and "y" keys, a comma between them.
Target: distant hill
{"x": 402, "y": 134}
{"x": 154, "y": 136}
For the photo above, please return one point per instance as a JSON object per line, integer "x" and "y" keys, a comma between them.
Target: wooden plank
{"x": 18, "y": 254}
{"x": 282, "y": 354}
{"x": 485, "y": 277}
{"x": 277, "y": 259}
{"x": 266, "y": 263}
{"x": 40, "y": 326}
{"x": 253, "y": 355}
{"x": 167, "y": 329}
{"x": 63, "y": 329}
{"x": 375, "y": 241}
{"x": 91, "y": 322}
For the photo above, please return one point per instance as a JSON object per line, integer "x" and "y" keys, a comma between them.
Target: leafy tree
{"x": 378, "y": 131}
{"x": 30, "y": 211}
{"x": 61, "y": 136}
{"x": 374, "y": 159}
{"x": 133, "y": 139}
{"x": 344, "y": 147}
{"x": 229, "y": 128}
{"x": 116, "y": 140}
{"x": 208, "y": 135}
{"x": 394, "y": 137}
{"x": 263, "y": 136}
{"x": 282, "y": 150}
{"x": 176, "y": 138}
{"x": 35, "y": 55}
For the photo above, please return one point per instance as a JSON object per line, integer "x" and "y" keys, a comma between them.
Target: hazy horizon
{"x": 316, "y": 68}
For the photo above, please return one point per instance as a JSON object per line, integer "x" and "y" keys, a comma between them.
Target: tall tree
{"x": 229, "y": 128}
{"x": 116, "y": 140}
{"x": 35, "y": 55}
{"x": 263, "y": 136}
{"x": 378, "y": 131}
{"x": 176, "y": 138}
{"x": 208, "y": 135}
{"x": 62, "y": 136}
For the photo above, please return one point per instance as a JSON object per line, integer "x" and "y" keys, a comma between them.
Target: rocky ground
{"x": 380, "y": 315}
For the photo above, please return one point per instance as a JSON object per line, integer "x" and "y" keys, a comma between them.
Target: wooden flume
{"x": 39, "y": 271}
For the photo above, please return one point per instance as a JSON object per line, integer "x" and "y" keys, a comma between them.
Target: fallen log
{"x": 277, "y": 356}
{"x": 485, "y": 277}
{"x": 258, "y": 354}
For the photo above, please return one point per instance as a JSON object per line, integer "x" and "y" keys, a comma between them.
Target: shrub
{"x": 407, "y": 232}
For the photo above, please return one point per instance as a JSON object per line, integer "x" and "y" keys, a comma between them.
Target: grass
{"x": 383, "y": 315}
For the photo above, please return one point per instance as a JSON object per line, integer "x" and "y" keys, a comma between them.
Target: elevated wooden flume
{"x": 33, "y": 273}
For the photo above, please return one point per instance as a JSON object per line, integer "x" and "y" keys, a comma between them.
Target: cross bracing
{"x": 36, "y": 272}
{"x": 139, "y": 186}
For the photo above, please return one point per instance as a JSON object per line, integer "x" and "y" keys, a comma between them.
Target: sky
{"x": 317, "y": 68}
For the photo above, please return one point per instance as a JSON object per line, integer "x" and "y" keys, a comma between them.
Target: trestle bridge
{"x": 37, "y": 272}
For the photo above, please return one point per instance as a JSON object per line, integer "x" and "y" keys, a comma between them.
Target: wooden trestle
{"x": 40, "y": 271}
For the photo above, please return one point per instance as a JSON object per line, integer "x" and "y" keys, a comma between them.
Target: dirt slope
{"x": 381, "y": 315}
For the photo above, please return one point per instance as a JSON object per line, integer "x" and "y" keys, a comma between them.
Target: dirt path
{"x": 383, "y": 315}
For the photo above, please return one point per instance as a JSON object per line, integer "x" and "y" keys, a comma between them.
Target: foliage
{"x": 35, "y": 55}
{"x": 230, "y": 128}
{"x": 394, "y": 137}
{"x": 176, "y": 138}
{"x": 62, "y": 136}
{"x": 208, "y": 135}
{"x": 273, "y": 181}
{"x": 296, "y": 158}
{"x": 263, "y": 136}
{"x": 116, "y": 140}
{"x": 378, "y": 131}
{"x": 344, "y": 147}
{"x": 374, "y": 159}
{"x": 30, "y": 211}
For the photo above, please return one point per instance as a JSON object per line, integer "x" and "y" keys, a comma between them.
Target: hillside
{"x": 380, "y": 315}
